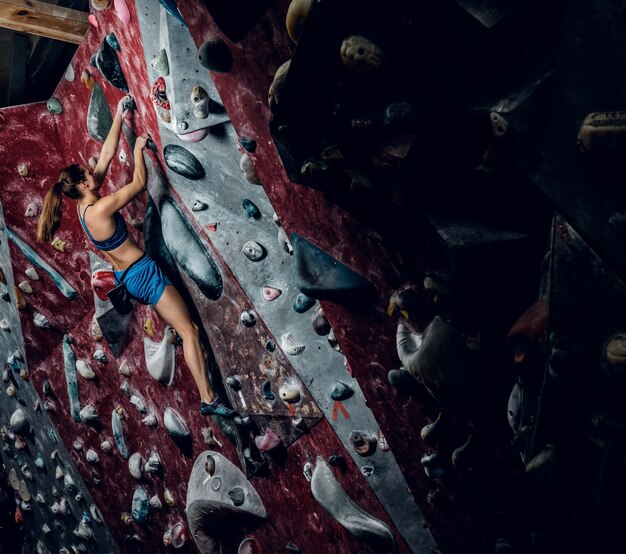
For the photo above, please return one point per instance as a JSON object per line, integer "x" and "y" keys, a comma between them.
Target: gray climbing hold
{"x": 253, "y": 251}
{"x": 141, "y": 505}
{"x": 250, "y": 209}
{"x": 331, "y": 496}
{"x": 160, "y": 63}
{"x": 19, "y": 422}
{"x": 54, "y": 106}
{"x": 319, "y": 275}
{"x": 118, "y": 432}
{"x": 440, "y": 360}
{"x": 89, "y": 415}
{"x": 215, "y": 56}
{"x": 99, "y": 118}
{"x": 199, "y": 206}
{"x": 433, "y": 465}
{"x": 160, "y": 358}
{"x": 69, "y": 362}
{"x": 175, "y": 426}
{"x": 215, "y": 492}
{"x": 183, "y": 162}
{"x": 188, "y": 251}
{"x": 341, "y": 391}
{"x": 135, "y": 463}
{"x": 320, "y": 324}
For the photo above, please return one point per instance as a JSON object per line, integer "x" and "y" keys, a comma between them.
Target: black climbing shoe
{"x": 216, "y": 408}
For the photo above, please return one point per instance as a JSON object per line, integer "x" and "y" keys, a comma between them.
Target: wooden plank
{"x": 46, "y": 20}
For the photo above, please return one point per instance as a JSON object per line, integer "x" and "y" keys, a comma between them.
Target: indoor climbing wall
{"x": 405, "y": 264}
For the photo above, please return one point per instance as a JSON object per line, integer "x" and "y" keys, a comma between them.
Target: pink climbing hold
{"x": 268, "y": 441}
{"x": 270, "y": 293}
{"x": 121, "y": 9}
{"x": 92, "y": 19}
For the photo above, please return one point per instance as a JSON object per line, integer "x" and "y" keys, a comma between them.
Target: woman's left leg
{"x": 172, "y": 308}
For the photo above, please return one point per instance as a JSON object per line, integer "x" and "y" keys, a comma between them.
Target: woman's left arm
{"x": 109, "y": 148}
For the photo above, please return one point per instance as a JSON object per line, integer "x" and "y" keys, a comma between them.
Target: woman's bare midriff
{"x": 124, "y": 255}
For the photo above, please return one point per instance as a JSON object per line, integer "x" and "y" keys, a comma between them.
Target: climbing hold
{"x": 96, "y": 331}
{"x": 106, "y": 446}
{"x": 58, "y": 244}
{"x": 247, "y": 144}
{"x": 106, "y": 61}
{"x": 341, "y": 391}
{"x": 22, "y": 169}
{"x": 331, "y": 496}
{"x": 175, "y": 426}
{"x": 155, "y": 502}
{"x": 135, "y": 465}
{"x": 84, "y": 369}
{"x": 113, "y": 42}
{"x": 92, "y": 456}
{"x": 19, "y": 423}
{"x": 296, "y": 15}
{"x": 169, "y": 499}
{"x": 150, "y": 420}
{"x": 4, "y": 325}
{"x": 160, "y": 63}
{"x": 147, "y": 327}
{"x": 361, "y": 55}
{"x": 125, "y": 388}
{"x": 270, "y": 293}
{"x": 122, "y": 156}
{"x": 266, "y": 390}
{"x": 248, "y": 170}
{"x": 199, "y": 206}
{"x": 289, "y": 393}
{"x": 160, "y": 358}
{"x": 440, "y": 360}
{"x": 32, "y": 210}
{"x": 87, "y": 79}
{"x": 278, "y": 86}
{"x": 121, "y": 10}
{"x": 200, "y": 101}
{"x": 208, "y": 505}
{"x": 118, "y": 432}
{"x": 25, "y": 287}
{"x": 54, "y": 106}
{"x": 290, "y": 346}
{"x": 99, "y": 118}
{"x": 183, "y": 162}
{"x": 319, "y": 275}
{"x": 153, "y": 465}
{"x": 138, "y": 403}
{"x": 158, "y": 95}
{"x": 253, "y": 251}
{"x": 248, "y": 318}
{"x": 216, "y": 56}
{"x": 320, "y": 324}
{"x": 363, "y": 443}
{"x": 433, "y": 465}
{"x": 69, "y": 361}
{"x": 69, "y": 73}
{"x": 124, "y": 368}
{"x": 268, "y": 441}
{"x": 100, "y": 356}
{"x": 32, "y": 273}
{"x": 250, "y": 209}
{"x": 302, "y": 303}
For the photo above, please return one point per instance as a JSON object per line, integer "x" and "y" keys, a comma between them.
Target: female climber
{"x": 105, "y": 227}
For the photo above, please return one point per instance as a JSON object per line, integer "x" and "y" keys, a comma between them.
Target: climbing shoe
{"x": 216, "y": 408}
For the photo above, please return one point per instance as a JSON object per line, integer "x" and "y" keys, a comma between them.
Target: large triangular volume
{"x": 319, "y": 275}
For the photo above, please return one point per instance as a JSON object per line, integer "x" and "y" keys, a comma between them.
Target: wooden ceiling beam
{"x": 45, "y": 20}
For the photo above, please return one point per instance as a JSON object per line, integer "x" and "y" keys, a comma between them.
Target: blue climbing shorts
{"x": 145, "y": 281}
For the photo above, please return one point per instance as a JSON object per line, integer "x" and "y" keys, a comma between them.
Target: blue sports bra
{"x": 116, "y": 239}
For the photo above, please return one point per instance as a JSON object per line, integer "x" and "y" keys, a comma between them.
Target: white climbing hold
{"x": 85, "y": 370}
{"x": 32, "y": 273}
{"x": 290, "y": 346}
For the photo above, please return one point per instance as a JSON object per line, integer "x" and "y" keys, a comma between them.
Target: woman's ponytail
{"x": 50, "y": 218}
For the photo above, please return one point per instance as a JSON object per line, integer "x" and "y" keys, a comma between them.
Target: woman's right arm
{"x": 114, "y": 202}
